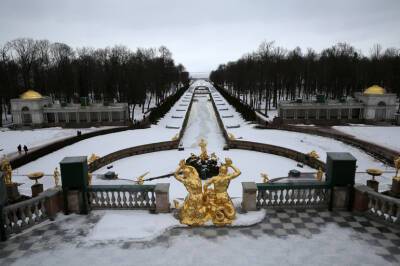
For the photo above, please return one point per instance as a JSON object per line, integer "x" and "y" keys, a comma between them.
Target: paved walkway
{"x": 294, "y": 237}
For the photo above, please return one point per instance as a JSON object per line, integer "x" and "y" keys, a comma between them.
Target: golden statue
{"x": 313, "y": 154}
{"x": 7, "y": 171}
{"x": 203, "y": 147}
{"x": 319, "y": 174}
{"x": 56, "y": 176}
{"x": 397, "y": 166}
{"x": 93, "y": 158}
{"x": 219, "y": 204}
{"x": 90, "y": 176}
{"x": 231, "y": 136}
{"x": 140, "y": 179}
{"x": 193, "y": 211}
{"x": 264, "y": 177}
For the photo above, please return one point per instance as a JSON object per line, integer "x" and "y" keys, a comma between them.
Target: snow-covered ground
{"x": 10, "y": 139}
{"x": 117, "y": 225}
{"x": 334, "y": 245}
{"x": 385, "y": 136}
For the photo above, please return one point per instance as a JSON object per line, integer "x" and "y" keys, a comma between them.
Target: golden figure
{"x": 313, "y": 154}
{"x": 93, "y": 158}
{"x": 176, "y": 204}
{"x": 7, "y": 171}
{"x": 140, "y": 179}
{"x": 264, "y": 177}
{"x": 231, "y": 136}
{"x": 213, "y": 157}
{"x": 397, "y": 166}
{"x": 319, "y": 174}
{"x": 219, "y": 204}
{"x": 193, "y": 211}
{"x": 203, "y": 147}
{"x": 56, "y": 176}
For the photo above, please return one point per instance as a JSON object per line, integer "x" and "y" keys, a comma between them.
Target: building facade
{"x": 373, "y": 105}
{"x": 33, "y": 109}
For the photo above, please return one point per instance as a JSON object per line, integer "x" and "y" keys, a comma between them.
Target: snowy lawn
{"x": 10, "y": 139}
{"x": 388, "y": 137}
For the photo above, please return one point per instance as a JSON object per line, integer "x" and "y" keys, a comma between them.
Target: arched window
{"x": 380, "y": 112}
{"x": 382, "y": 104}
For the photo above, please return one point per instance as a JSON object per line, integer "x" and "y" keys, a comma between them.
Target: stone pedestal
{"x": 341, "y": 198}
{"x": 73, "y": 199}
{"x": 36, "y": 189}
{"x": 162, "y": 197}
{"x": 12, "y": 192}
{"x": 249, "y": 199}
{"x": 360, "y": 203}
{"x": 373, "y": 184}
{"x": 395, "y": 186}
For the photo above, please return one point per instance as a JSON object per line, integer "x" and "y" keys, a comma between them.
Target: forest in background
{"x": 103, "y": 74}
{"x": 273, "y": 73}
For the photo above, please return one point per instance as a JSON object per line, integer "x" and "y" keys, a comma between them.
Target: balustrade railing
{"x": 25, "y": 214}
{"x": 122, "y": 197}
{"x": 306, "y": 195}
{"x": 381, "y": 206}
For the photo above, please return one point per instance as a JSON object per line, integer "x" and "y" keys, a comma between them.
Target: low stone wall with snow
{"x": 381, "y": 153}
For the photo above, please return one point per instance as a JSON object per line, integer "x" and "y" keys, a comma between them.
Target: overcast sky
{"x": 204, "y": 33}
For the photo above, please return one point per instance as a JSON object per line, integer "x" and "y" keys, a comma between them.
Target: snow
{"x": 117, "y": 224}
{"x": 36, "y": 137}
{"x": 385, "y": 136}
{"x": 333, "y": 246}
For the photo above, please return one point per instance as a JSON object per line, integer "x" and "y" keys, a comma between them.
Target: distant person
{"x": 19, "y": 149}
{"x": 26, "y": 149}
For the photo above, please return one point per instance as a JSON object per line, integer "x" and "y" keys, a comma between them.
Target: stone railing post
{"x": 249, "y": 199}
{"x": 361, "y": 198}
{"x": 53, "y": 202}
{"x": 3, "y": 200}
{"x": 162, "y": 197}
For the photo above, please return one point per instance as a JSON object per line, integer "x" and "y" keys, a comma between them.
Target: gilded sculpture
{"x": 219, "y": 204}
{"x": 313, "y": 154}
{"x": 7, "y": 171}
{"x": 397, "y": 166}
{"x": 265, "y": 177}
{"x": 203, "y": 147}
{"x": 193, "y": 212}
{"x": 56, "y": 176}
{"x": 319, "y": 174}
{"x": 210, "y": 201}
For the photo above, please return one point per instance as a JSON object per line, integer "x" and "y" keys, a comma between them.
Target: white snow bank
{"x": 385, "y": 136}
{"x": 10, "y": 139}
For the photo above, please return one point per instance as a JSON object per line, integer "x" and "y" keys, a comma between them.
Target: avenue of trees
{"x": 272, "y": 73}
{"x": 65, "y": 73}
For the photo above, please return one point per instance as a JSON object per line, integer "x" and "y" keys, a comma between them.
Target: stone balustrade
{"x": 20, "y": 216}
{"x": 129, "y": 197}
{"x": 377, "y": 205}
{"x": 285, "y": 195}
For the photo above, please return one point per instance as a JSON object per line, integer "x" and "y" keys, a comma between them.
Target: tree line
{"x": 65, "y": 73}
{"x": 273, "y": 73}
